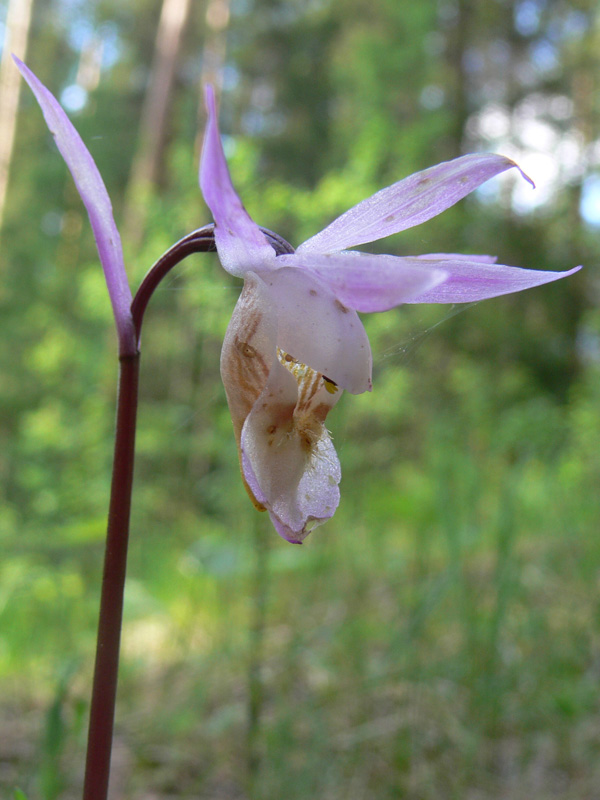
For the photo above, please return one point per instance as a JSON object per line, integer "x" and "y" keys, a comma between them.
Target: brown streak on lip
{"x": 340, "y": 306}
{"x": 252, "y": 324}
{"x": 309, "y": 430}
{"x": 245, "y": 349}
{"x": 321, "y": 411}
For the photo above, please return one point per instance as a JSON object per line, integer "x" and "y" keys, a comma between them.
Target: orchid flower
{"x": 295, "y": 340}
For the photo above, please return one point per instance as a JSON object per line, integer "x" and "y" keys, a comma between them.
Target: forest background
{"x": 440, "y": 637}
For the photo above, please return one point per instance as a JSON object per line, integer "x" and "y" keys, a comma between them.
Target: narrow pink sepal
{"x": 409, "y": 202}
{"x": 240, "y": 243}
{"x": 469, "y": 281}
{"x": 93, "y": 193}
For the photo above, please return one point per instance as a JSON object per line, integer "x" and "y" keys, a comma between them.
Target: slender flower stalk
{"x": 294, "y": 343}
{"x": 106, "y": 669}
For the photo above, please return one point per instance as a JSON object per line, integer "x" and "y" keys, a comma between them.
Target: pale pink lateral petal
{"x": 93, "y": 192}
{"x": 240, "y": 243}
{"x": 297, "y": 484}
{"x": 368, "y": 282}
{"x": 409, "y": 202}
{"x": 469, "y": 281}
{"x": 318, "y": 330}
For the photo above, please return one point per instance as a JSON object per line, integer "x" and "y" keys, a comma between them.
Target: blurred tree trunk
{"x": 15, "y": 41}
{"x": 458, "y": 42}
{"x": 153, "y": 121}
{"x": 213, "y": 57}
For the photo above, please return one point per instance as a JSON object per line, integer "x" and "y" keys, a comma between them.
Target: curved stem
{"x": 198, "y": 241}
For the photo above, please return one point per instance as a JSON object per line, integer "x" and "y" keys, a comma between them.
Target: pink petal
{"x": 409, "y": 202}
{"x": 469, "y": 281}
{"x": 367, "y": 282}
{"x": 319, "y": 330}
{"x": 93, "y": 192}
{"x": 299, "y": 487}
{"x": 240, "y": 243}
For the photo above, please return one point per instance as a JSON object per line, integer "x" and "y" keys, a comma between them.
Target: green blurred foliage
{"x": 440, "y": 636}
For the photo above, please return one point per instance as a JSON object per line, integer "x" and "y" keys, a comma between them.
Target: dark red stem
{"x": 104, "y": 689}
